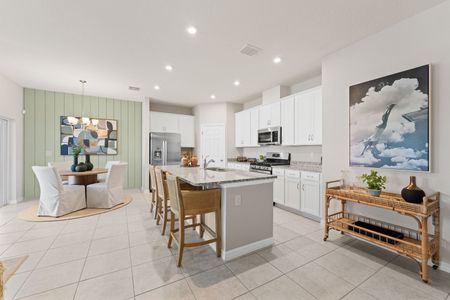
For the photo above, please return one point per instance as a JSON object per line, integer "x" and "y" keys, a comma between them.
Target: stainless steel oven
{"x": 269, "y": 136}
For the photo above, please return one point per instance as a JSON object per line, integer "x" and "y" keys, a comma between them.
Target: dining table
{"x": 83, "y": 178}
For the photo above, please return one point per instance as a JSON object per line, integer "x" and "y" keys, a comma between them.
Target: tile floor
{"x": 122, "y": 255}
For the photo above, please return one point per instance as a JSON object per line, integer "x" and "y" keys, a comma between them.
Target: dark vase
{"x": 81, "y": 167}
{"x": 88, "y": 163}
{"x": 74, "y": 164}
{"x": 412, "y": 193}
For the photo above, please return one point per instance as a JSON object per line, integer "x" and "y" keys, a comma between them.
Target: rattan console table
{"x": 416, "y": 244}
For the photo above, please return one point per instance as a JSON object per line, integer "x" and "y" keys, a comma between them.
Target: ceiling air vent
{"x": 134, "y": 88}
{"x": 250, "y": 50}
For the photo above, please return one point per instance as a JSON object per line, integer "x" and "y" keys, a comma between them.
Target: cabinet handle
{"x": 312, "y": 137}
{"x": 298, "y": 187}
{"x": 303, "y": 187}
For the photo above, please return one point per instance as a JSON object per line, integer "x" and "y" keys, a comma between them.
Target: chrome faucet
{"x": 206, "y": 163}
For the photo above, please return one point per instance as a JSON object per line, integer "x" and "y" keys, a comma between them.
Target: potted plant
{"x": 76, "y": 150}
{"x": 375, "y": 183}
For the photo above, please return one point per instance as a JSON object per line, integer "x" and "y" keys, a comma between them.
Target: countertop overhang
{"x": 198, "y": 176}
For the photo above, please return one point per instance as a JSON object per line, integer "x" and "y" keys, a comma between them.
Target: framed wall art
{"x": 95, "y": 136}
{"x": 390, "y": 121}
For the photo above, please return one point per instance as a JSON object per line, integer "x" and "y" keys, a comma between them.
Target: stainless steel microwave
{"x": 269, "y": 136}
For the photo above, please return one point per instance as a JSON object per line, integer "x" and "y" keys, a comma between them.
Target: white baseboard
{"x": 237, "y": 252}
{"x": 443, "y": 266}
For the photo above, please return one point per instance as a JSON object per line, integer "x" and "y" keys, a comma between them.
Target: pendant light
{"x": 84, "y": 120}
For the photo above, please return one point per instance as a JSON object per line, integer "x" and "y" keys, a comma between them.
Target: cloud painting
{"x": 389, "y": 121}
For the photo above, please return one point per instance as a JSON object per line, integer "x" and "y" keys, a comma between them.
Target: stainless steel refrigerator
{"x": 165, "y": 149}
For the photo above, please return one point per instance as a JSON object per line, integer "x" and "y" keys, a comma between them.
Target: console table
{"x": 416, "y": 244}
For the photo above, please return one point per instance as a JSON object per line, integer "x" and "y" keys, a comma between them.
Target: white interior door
{"x": 213, "y": 145}
{"x": 4, "y": 144}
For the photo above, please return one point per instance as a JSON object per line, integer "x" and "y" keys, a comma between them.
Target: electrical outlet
{"x": 237, "y": 200}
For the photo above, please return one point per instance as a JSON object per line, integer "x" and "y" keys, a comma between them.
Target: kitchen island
{"x": 246, "y": 206}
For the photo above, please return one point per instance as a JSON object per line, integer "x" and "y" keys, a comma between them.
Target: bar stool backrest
{"x": 161, "y": 187}
{"x": 153, "y": 178}
{"x": 175, "y": 196}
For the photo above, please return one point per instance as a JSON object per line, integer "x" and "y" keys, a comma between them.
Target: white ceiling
{"x": 51, "y": 44}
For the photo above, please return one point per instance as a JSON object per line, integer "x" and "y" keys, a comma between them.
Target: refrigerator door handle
{"x": 164, "y": 153}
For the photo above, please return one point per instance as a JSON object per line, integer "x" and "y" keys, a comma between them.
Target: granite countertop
{"x": 233, "y": 160}
{"x": 302, "y": 166}
{"x": 202, "y": 177}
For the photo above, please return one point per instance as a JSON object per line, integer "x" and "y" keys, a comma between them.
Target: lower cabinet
{"x": 310, "y": 193}
{"x": 292, "y": 189}
{"x": 298, "y": 190}
{"x": 278, "y": 186}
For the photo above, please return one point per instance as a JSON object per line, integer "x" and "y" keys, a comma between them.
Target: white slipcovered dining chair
{"x": 60, "y": 167}
{"x": 109, "y": 193}
{"x": 57, "y": 199}
{"x": 102, "y": 177}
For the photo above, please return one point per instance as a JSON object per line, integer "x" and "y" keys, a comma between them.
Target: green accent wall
{"x": 42, "y": 132}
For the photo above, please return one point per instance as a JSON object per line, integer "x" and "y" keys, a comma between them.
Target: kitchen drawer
{"x": 311, "y": 176}
{"x": 292, "y": 173}
{"x": 278, "y": 171}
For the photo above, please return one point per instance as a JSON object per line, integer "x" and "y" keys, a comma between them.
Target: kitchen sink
{"x": 217, "y": 169}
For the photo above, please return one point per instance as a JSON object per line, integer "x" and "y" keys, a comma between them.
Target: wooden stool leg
{"x": 164, "y": 220}
{"x": 172, "y": 229}
{"x": 181, "y": 241}
{"x": 152, "y": 202}
{"x": 158, "y": 210}
{"x": 202, "y": 221}
{"x": 218, "y": 234}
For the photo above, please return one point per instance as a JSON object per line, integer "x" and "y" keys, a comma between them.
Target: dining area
{"x": 67, "y": 194}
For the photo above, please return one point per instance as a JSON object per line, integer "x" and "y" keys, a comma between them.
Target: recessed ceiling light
{"x": 191, "y": 30}
{"x": 276, "y": 60}
{"x": 168, "y": 68}
{"x": 213, "y": 96}
{"x": 236, "y": 83}
{"x": 156, "y": 87}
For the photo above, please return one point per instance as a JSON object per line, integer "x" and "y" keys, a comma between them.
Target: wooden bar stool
{"x": 163, "y": 203}
{"x": 185, "y": 203}
{"x": 154, "y": 190}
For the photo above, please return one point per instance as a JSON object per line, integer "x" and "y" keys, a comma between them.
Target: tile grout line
{"x": 35, "y": 268}
{"x": 85, "y": 259}
{"x": 129, "y": 255}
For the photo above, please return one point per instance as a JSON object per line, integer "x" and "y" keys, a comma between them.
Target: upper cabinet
{"x": 288, "y": 121}
{"x": 174, "y": 123}
{"x": 187, "y": 130}
{"x": 254, "y": 126}
{"x": 308, "y": 117}
{"x": 246, "y": 128}
{"x": 299, "y": 115}
{"x": 164, "y": 122}
{"x": 269, "y": 115}
{"x": 242, "y": 128}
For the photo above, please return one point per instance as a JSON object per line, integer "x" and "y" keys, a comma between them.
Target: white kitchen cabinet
{"x": 288, "y": 121}
{"x": 187, "y": 130}
{"x": 174, "y": 123}
{"x": 164, "y": 122}
{"x": 308, "y": 117}
{"x": 242, "y": 128}
{"x": 310, "y": 193}
{"x": 292, "y": 189}
{"x": 254, "y": 126}
{"x": 270, "y": 115}
{"x": 278, "y": 186}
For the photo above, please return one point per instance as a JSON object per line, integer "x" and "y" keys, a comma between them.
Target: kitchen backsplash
{"x": 298, "y": 153}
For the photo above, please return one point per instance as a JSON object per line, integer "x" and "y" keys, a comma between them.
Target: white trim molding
{"x": 240, "y": 251}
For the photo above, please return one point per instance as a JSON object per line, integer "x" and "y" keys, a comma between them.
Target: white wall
{"x": 217, "y": 113}
{"x": 11, "y": 106}
{"x": 417, "y": 41}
